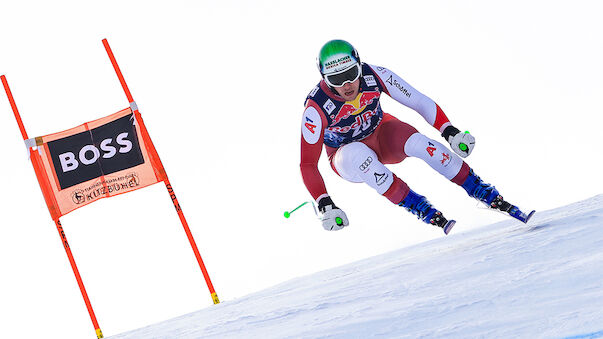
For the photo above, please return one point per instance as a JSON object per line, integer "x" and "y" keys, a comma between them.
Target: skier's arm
{"x": 313, "y": 126}
{"x": 402, "y": 92}
{"x": 408, "y": 96}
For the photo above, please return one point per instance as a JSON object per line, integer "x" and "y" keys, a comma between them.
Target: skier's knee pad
{"x": 436, "y": 155}
{"x": 356, "y": 162}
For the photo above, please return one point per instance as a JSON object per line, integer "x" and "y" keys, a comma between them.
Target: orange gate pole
{"x": 42, "y": 180}
{"x": 155, "y": 158}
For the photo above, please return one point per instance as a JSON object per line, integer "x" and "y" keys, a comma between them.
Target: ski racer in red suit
{"x": 343, "y": 113}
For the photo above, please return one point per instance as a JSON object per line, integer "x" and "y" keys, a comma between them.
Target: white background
{"x": 221, "y": 88}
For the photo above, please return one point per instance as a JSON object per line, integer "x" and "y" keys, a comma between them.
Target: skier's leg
{"x": 438, "y": 156}
{"x": 450, "y": 166}
{"x": 489, "y": 195}
{"x": 356, "y": 162}
{"x": 456, "y": 170}
{"x": 480, "y": 190}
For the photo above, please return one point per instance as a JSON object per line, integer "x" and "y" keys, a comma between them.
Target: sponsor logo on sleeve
{"x": 380, "y": 69}
{"x": 313, "y": 91}
{"x": 311, "y": 125}
{"x": 398, "y": 85}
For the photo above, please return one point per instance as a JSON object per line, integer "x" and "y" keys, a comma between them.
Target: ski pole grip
{"x": 464, "y": 146}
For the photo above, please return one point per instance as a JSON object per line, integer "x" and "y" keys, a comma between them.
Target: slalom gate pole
{"x": 43, "y": 181}
{"x": 99, "y": 333}
{"x": 154, "y": 154}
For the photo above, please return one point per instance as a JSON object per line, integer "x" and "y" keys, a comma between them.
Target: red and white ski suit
{"x": 360, "y": 138}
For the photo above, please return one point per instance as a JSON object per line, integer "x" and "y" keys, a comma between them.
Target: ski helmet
{"x": 337, "y": 57}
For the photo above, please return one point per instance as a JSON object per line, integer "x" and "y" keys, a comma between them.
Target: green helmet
{"x": 336, "y": 56}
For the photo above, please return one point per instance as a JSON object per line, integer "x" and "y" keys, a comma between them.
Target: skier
{"x": 343, "y": 113}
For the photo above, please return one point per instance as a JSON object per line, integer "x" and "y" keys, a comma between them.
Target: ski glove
{"x": 333, "y": 218}
{"x": 461, "y": 143}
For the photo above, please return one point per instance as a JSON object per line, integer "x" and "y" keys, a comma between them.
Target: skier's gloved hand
{"x": 461, "y": 143}
{"x": 333, "y": 218}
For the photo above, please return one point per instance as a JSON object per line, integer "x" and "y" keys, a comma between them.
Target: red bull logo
{"x": 358, "y": 123}
{"x": 355, "y": 106}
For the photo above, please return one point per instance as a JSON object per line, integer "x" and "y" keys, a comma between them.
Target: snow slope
{"x": 505, "y": 280}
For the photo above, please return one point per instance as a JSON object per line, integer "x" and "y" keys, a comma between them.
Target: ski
{"x": 511, "y": 210}
{"x": 519, "y": 215}
{"x": 448, "y": 226}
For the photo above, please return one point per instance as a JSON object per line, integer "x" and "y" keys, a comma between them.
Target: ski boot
{"x": 489, "y": 195}
{"x": 419, "y": 206}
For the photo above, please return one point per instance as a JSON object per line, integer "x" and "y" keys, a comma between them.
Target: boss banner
{"x": 99, "y": 159}
{"x": 95, "y": 160}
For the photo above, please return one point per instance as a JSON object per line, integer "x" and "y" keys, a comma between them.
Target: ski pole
{"x": 287, "y": 214}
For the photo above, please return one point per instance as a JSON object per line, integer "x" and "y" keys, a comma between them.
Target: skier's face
{"x": 349, "y": 91}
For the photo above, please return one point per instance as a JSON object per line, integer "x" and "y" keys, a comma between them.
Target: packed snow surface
{"x": 505, "y": 280}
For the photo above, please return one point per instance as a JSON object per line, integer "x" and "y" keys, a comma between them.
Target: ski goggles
{"x": 342, "y": 78}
